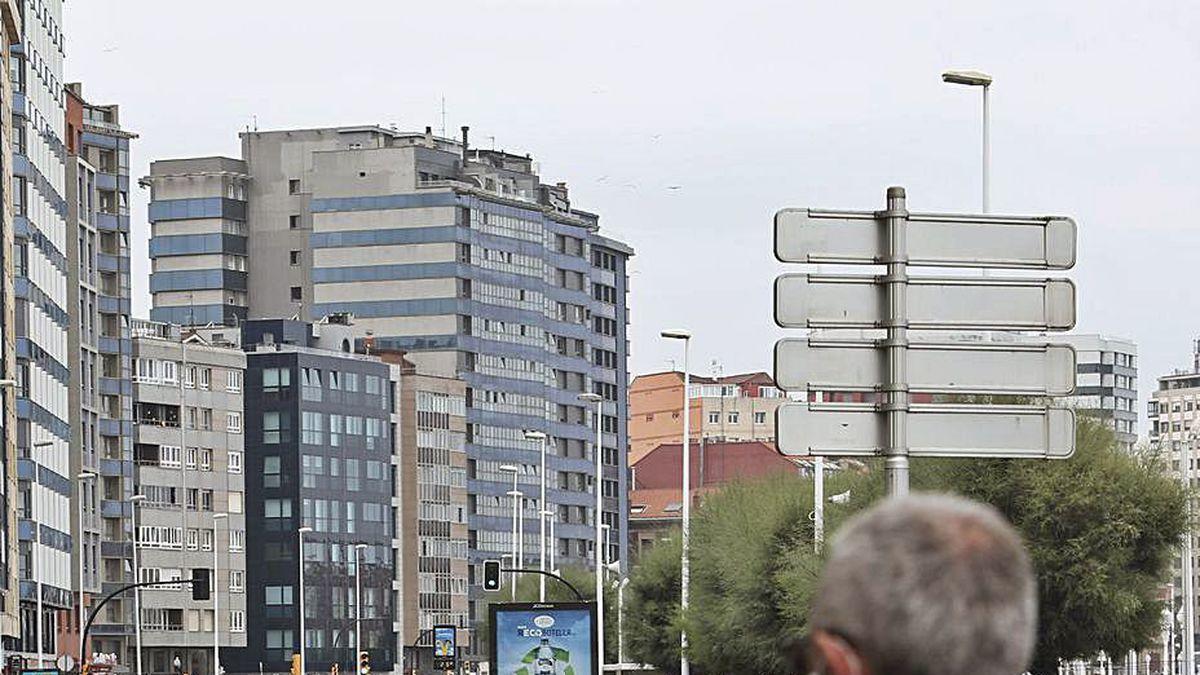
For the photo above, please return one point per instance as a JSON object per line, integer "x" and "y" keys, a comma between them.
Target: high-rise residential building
{"x": 460, "y": 257}
{"x": 100, "y": 392}
{"x": 191, "y": 510}
{"x": 434, "y": 502}
{"x": 40, "y": 286}
{"x": 320, "y": 427}
{"x": 728, "y": 408}
{"x": 10, "y": 632}
{"x": 1106, "y": 384}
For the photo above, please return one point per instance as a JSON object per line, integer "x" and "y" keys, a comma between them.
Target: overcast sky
{"x": 686, "y": 125}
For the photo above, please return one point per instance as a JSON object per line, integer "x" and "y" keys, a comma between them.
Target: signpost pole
{"x": 896, "y": 387}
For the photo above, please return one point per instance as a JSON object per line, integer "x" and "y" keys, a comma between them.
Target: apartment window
{"x": 233, "y": 381}
{"x": 760, "y": 418}
{"x": 206, "y": 459}
{"x": 237, "y": 581}
{"x": 296, "y": 294}
{"x": 733, "y": 417}
{"x": 294, "y": 257}
{"x": 234, "y": 461}
{"x": 235, "y": 502}
{"x": 206, "y": 540}
{"x": 278, "y": 595}
{"x": 294, "y": 222}
{"x": 237, "y": 540}
{"x": 714, "y": 418}
{"x": 293, "y": 186}
{"x": 206, "y": 419}
{"x": 237, "y": 620}
{"x": 277, "y": 508}
{"x": 189, "y": 377}
{"x": 274, "y": 379}
{"x": 234, "y": 422}
{"x": 271, "y": 471}
{"x": 205, "y": 378}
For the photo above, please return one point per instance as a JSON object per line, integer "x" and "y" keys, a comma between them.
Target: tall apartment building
{"x": 434, "y": 502}
{"x": 10, "y": 632}
{"x": 40, "y": 286}
{"x": 460, "y": 257}
{"x": 1106, "y": 385}
{"x": 320, "y": 432}
{"x": 190, "y": 469}
{"x": 731, "y": 408}
{"x": 100, "y": 392}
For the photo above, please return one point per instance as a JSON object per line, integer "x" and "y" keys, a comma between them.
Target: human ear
{"x": 834, "y": 656}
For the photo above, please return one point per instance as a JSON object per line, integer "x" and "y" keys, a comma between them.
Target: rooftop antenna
{"x": 717, "y": 371}
{"x": 443, "y": 115}
{"x": 255, "y": 117}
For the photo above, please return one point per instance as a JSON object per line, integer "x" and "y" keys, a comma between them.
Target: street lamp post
{"x": 598, "y": 488}
{"x": 83, "y": 477}
{"x": 216, "y": 594}
{"x": 549, "y": 516}
{"x": 357, "y": 602}
{"x": 519, "y": 531}
{"x": 678, "y": 334}
{"x": 539, "y": 436}
{"x": 136, "y": 501}
{"x": 972, "y": 78}
{"x": 509, "y": 468}
{"x": 300, "y": 534}
{"x": 37, "y": 568}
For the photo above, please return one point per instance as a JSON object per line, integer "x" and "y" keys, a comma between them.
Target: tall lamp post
{"x": 519, "y": 530}
{"x": 84, "y": 477}
{"x": 300, "y": 534}
{"x": 216, "y": 594}
{"x": 679, "y": 334}
{"x": 136, "y": 501}
{"x": 549, "y": 516}
{"x": 598, "y": 488}
{"x": 539, "y": 436}
{"x": 510, "y": 468}
{"x": 37, "y": 571}
{"x": 358, "y": 601}
{"x": 973, "y": 78}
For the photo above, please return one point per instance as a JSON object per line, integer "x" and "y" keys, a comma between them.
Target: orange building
{"x": 732, "y": 408}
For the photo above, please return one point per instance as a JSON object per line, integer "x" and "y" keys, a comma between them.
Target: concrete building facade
{"x": 10, "y": 632}
{"x": 463, "y": 259}
{"x": 190, "y": 468}
{"x": 732, "y": 408}
{"x": 40, "y": 289}
{"x": 101, "y": 396}
{"x": 1106, "y": 385}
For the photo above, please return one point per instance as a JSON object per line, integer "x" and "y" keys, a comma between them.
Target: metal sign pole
{"x": 896, "y": 387}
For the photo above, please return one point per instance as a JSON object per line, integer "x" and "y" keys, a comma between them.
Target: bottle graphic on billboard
{"x": 543, "y": 639}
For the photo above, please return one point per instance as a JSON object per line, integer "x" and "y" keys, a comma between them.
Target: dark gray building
{"x": 319, "y": 449}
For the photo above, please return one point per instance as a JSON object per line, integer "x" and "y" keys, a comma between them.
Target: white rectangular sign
{"x": 832, "y": 430}
{"x": 859, "y": 301}
{"x": 947, "y": 240}
{"x": 860, "y": 365}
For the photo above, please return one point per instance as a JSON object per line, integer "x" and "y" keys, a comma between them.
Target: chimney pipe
{"x": 465, "y": 129}
{"x": 429, "y": 137}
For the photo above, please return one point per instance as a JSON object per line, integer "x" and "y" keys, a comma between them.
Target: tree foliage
{"x": 1101, "y": 528}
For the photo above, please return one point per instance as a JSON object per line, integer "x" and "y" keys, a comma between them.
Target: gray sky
{"x": 746, "y": 107}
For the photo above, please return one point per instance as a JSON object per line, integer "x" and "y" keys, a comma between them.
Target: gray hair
{"x": 930, "y": 585}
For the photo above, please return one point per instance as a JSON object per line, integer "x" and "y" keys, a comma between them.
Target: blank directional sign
{"x": 859, "y": 365}
{"x": 860, "y": 301}
{"x": 933, "y": 431}
{"x": 857, "y": 237}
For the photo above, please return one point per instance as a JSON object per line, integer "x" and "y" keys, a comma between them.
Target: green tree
{"x": 1102, "y": 529}
{"x": 652, "y": 607}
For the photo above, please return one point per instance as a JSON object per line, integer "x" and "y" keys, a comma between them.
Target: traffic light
{"x": 491, "y": 575}
{"x": 364, "y": 663}
{"x": 296, "y": 664}
{"x": 200, "y": 583}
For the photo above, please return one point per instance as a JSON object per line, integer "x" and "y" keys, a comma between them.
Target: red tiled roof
{"x": 711, "y": 464}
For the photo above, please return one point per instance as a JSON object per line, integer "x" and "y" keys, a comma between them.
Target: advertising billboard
{"x": 445, "y": 647}
{"x": 543, "y": 638}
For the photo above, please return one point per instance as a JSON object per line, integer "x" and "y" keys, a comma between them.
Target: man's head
{"x": 925, "y": 585}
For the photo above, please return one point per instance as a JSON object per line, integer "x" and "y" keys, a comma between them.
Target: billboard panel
{"x": 445, "y": 647}
{"x": 543, "y": 638}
